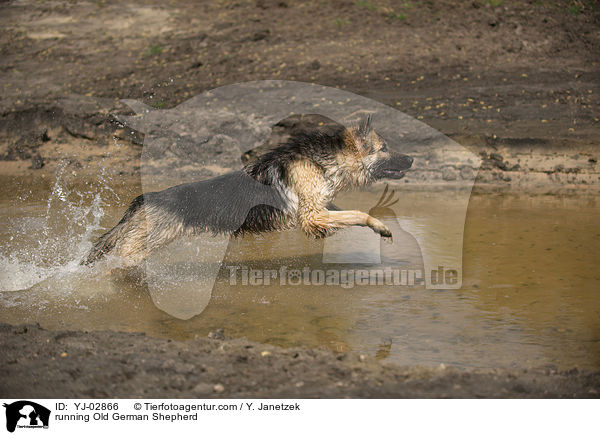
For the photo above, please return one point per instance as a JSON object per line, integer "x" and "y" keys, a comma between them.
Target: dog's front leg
{"x": 313, "y": 193}
{"x": 324, "y": 222}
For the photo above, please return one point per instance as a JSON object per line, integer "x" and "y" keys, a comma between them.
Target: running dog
{"x": 291, "y": 185}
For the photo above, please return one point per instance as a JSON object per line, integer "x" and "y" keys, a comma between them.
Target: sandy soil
{"x": 112, "y": 364}
{"x": 514, "y": 81}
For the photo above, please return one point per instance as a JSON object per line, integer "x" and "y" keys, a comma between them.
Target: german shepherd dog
{"x": 291, "y": 185}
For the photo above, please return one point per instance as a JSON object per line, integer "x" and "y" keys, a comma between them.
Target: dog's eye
{"x": 384, "y": 147}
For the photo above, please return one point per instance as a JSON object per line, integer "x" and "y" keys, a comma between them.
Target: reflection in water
{"x": 529, "y": 295}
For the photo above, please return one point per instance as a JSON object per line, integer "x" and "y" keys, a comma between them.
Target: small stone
{"x": 449, "y": 174}
{"x": 37, "y": 162}
{"x": 265, "y": 353}
{"x": 168, "y": 364}
{"x": 64, "y": 354}
{"x": 218, "y": 334}
{"x": 218, "y": 388}
{"x": 362, "y": 358}
{"x": 467, "y": 173}
{"x": 299, "y": 384}
{"x": 259, "y": 36}
{"x": 202, "y": 389}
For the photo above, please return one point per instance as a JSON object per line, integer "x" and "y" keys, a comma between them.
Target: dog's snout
{"x": 406, "y": 161}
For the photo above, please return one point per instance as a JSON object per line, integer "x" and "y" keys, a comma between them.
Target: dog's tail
{"x": 109, "y": 240}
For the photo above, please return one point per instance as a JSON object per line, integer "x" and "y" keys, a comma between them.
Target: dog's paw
{"x": 379, "y": 227}
{"x": 386, "y": 233}
{"x": 383, "y": 231}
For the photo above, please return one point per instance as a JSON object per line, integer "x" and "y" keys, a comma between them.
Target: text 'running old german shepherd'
{"x": 289, "y": 186}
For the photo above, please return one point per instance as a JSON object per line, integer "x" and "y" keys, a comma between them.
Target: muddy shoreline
{"x": 515, "y": 82}
{"x": 103, "y": 364}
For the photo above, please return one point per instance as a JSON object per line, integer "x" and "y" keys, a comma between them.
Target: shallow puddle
{"x": 529, "y": 296}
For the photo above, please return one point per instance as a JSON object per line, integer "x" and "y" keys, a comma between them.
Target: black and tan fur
{"x": 289, "y": 186}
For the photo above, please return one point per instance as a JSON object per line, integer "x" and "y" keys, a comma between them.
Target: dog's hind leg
{"x": 113, "y": 239}
{"x": 133, "y": 246}
{"x": 143, "y": 228}
{"x": 148, "y": 231}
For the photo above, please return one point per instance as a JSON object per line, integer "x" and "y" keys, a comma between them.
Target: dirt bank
{"x": 40, "y": 363}
{"x": 514, "y": 81}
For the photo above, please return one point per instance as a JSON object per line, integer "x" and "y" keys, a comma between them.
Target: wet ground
{"x": 528, "y": 297}
{"x": 110, "y": 364}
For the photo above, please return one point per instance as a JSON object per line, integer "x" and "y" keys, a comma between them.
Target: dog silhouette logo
{"x": 205, "y": 135}
{"x": 26, "y": 414}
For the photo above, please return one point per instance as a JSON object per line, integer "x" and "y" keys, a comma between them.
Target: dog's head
{"x": 373, "y": 153}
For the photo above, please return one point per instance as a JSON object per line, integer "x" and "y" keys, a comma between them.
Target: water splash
{"x": 47, "y": 243}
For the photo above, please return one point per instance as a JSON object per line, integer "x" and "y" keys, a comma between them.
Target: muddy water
{"x": 529, "y": 296}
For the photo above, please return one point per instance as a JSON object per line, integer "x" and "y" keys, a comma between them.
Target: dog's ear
{"x": 366, "y": 127}
{"x": 364, "y": 138}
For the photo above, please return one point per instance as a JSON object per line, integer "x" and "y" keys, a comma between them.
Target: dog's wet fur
{"x": 288, "y": 186}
